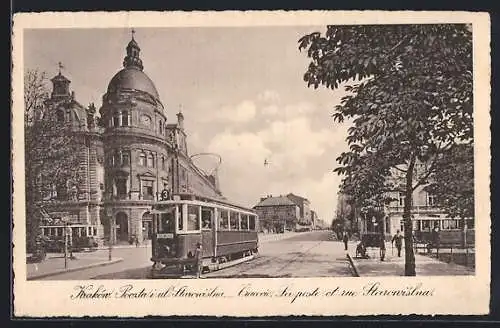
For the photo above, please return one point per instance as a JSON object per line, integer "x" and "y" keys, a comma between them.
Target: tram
{"x": 81, "y": 237}
{"x": 227, "y": 234}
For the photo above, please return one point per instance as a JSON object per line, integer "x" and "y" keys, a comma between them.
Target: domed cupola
{"x": 131, "y": 77}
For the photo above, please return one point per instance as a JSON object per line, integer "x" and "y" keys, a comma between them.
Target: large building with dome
{"x": 133, "y": 155}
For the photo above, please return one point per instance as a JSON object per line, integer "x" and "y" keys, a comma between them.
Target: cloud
{"x": 300, "y": 160}
{"x": 269, "y": 96}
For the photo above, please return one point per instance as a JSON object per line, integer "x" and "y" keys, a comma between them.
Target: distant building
{"x": 277, "y": 214}
{"x": 304, "y": 206}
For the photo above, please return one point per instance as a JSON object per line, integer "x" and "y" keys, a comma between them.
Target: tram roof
{"x": 219, "y": 201}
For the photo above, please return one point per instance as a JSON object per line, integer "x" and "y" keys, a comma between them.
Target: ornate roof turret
{"x": 132, "y": 60}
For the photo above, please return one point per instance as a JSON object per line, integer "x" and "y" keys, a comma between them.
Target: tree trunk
{"x": 408, "y": 228}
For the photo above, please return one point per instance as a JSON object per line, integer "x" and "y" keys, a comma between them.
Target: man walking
{"x": 345, "y": 239}
{"x": 398, "y": 241}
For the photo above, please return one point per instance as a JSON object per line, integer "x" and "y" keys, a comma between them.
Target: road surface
{"x": 307, "y": 254}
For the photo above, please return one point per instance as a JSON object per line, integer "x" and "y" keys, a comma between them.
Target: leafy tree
{"x": 453, "y": 182}
{"x": 51, "y": 153}
{"x": 412, "y": 102}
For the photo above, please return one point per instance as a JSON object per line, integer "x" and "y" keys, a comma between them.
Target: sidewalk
{"x": 395, "y": 266}
{"x": 54, "y": 264}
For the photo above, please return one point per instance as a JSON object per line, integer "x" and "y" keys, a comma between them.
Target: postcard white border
{"x": 452, "y": 295}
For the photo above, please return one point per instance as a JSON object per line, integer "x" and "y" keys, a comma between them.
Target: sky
{"x": 241, "y": 91}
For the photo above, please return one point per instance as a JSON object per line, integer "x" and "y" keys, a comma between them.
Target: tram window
{"x": 206, "y": 218}
{"x": 426, "y": 225}
{"x": 224, "y": 220}
{"x": 244, "y": 222}
{"x": 94, "y": 230}
{"x": 470, "y": 224}
{"x": 233, "y": 221}
{"x": 167, "y": 222}
{"x": 193, "y": 222}
{"x": 251, "y": 222}
{"x": 446, "y": 224}
{"x": 180, "y": 224}
{"x": 84, "y": 232}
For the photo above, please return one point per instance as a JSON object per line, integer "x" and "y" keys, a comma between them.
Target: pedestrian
{"x": 398, "y": 241}
{"x": 136, "y": 241}
{"x": 199, "y": 259}
{"x": 345, "y": 239}
{"x": 382, "y": 247}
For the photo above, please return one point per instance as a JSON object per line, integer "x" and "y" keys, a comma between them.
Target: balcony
{"x": 415, "y": 209}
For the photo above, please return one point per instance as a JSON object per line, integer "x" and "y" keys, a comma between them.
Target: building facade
{"x": 277, "y": 214}
{"x": 132, "y": 156}
{"x": 304, "y": 206}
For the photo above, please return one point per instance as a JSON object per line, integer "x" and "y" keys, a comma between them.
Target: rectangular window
{"x": 142, "y": 159}
{"x": 180, "y": 223}
{"x": 193, "y": 219}
{"x": 121, "y": 187}
{"x": 401, "y": 199}
{"x": 244, "y": 222}
{"x": 116, "y": 120}
{"x": 470, "y": 224}
{"x": 234, "y": 222}
{"x": 151, "y": 162}
{"x": 223, "y": 220}
{"x": 125, "y": 158}
{"x": 207, "y": 214}
{"x": 167, "y": 221}
{"x": 431, "y": 200}
{"x": 251, "y": 222}
{"x": 147, "y": 189}
{"x": 125, "y": 118}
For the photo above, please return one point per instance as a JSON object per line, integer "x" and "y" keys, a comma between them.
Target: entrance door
{"x": 147, "y": 226}
{"x": 122, "y": 226}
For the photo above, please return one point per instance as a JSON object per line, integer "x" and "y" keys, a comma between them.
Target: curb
{"x": 54, "y": 273}
{"x": 353, "y": 266}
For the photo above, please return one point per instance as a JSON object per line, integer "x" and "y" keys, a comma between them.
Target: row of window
{"x": 228, "y": 220}
{"x": 124, "y": 118}
{"x": 76, "y": 231}
{"x": 431, "y": 200}
{"x": 147, "y": 188}
{"x": 146, "y": 159}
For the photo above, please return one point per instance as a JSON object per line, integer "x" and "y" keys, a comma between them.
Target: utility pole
{"x": 66, "y": 237}
{"x": 111, "y": 233}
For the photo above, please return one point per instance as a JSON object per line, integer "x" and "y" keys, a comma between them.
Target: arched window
{"x": 142, "y": 159}
{"x": 125, "y": 121}
{"x": 116, "y": 119}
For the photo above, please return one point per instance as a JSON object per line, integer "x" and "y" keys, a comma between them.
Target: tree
{"x": 453, "y": 182}
{"x": 51, "y": 153}
{"x": 411, "y": 103}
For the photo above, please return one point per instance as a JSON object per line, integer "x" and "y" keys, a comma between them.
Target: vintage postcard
{"x": 251, "y": 163}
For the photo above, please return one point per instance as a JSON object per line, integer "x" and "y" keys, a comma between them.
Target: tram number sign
{"x": 164, "y": 235}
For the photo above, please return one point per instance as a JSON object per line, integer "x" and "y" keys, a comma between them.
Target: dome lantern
{"x": 132, "y": 60}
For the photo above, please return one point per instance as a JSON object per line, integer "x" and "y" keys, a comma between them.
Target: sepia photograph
{"x": 271, "y": 152}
